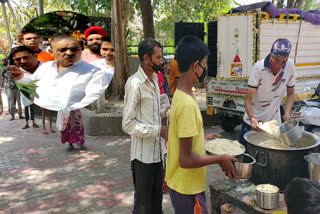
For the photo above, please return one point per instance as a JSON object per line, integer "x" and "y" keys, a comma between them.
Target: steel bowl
{"x": 244, "y": 165}
{"x": 268, "y": 201}
{"x": 314, "y": 167}
{"x": 290, "y": 133}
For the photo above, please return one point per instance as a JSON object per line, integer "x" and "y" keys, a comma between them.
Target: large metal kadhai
{"x": 280, "y": 166}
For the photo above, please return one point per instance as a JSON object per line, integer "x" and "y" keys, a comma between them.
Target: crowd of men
{"x": 27, "y": 61}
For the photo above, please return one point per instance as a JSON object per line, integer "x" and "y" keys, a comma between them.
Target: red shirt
{"x": 161, "y": 82}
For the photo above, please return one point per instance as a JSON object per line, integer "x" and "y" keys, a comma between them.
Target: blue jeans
{"x": 245, "y": 128}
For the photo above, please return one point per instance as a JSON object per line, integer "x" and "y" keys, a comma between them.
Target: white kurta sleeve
{"x": 97, "y": 84}
{"x": 27, "y": 77}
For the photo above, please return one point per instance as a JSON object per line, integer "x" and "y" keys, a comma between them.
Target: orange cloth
{"x": 173, "y": 76}
{"x": 45, "y": 57}
{"x": 88, "y": 56}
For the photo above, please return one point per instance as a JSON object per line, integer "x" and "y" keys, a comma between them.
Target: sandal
{"x": 35, "y": 126}
{"x": 44, "y": 131}
{"x": 52, "y": 130}
{"x": 26, "y": 127}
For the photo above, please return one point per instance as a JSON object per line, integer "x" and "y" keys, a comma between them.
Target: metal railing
{"x": 167, "y": 50}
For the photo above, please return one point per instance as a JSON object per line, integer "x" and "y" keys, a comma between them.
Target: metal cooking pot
{"x": 280, "y": 166}
{"x": 267, "y": 201}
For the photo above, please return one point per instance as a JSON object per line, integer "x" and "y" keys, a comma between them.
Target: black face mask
{"x": 156, "y": 67}
{"x": 203, "y": 75}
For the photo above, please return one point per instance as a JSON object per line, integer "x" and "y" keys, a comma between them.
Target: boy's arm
{"x": 188, "y": 160}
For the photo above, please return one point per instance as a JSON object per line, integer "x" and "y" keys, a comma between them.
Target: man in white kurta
{"x": 70, "y": 87}
{"x": 66, "y": 85}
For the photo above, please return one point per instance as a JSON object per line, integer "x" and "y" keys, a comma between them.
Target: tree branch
{"x": 22, "y": 11}
{"x": 236, "y": 3}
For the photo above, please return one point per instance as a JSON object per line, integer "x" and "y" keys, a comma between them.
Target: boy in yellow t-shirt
{"x": 186, "y": 158}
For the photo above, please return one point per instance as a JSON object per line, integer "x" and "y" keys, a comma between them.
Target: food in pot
{"x": 267, "y": 188}
{"x": 225, "y": 146}
{"x": 275, "y": 144}
{"x": 272, "y": 127}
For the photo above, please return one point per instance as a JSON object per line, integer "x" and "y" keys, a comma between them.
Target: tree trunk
{"x": 119, "y": 23}
{"x": 14, "y": 16}
{"x": 94, "y": 8}
{"x": 1, "y": 103}
{"x": 6, "y": 23}
{"x": 41, "y": 11}
{"x": 290, "y": 3}
{"x": 298, "y": 3}
{"x": 280, "y": 3}
{"x": 147, "y": 18}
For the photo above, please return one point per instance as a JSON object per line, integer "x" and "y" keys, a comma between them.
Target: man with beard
{"x": 93, "y": 36}
{"x": 269, "y": 80}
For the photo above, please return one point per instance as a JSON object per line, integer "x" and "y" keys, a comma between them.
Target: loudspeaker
{"x": 212, "y": 45}
{"x": 182, "y": 29}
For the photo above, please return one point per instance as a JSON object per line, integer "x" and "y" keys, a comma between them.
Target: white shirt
{"x": 141, "y": 117}
{"x": 101, "y": 63}
{"x": 270, "y": 90}
{"x": 71, "y": 88}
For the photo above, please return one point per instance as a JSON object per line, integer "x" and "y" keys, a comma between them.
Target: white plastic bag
{"x": 62, "y": 119}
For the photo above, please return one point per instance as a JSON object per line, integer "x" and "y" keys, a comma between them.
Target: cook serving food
{"x": 269, "y": 79}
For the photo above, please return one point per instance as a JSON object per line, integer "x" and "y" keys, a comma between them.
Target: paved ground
{"x": 37, "y": 175}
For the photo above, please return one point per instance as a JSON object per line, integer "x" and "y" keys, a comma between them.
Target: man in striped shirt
{"x": 142, "y": 120}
